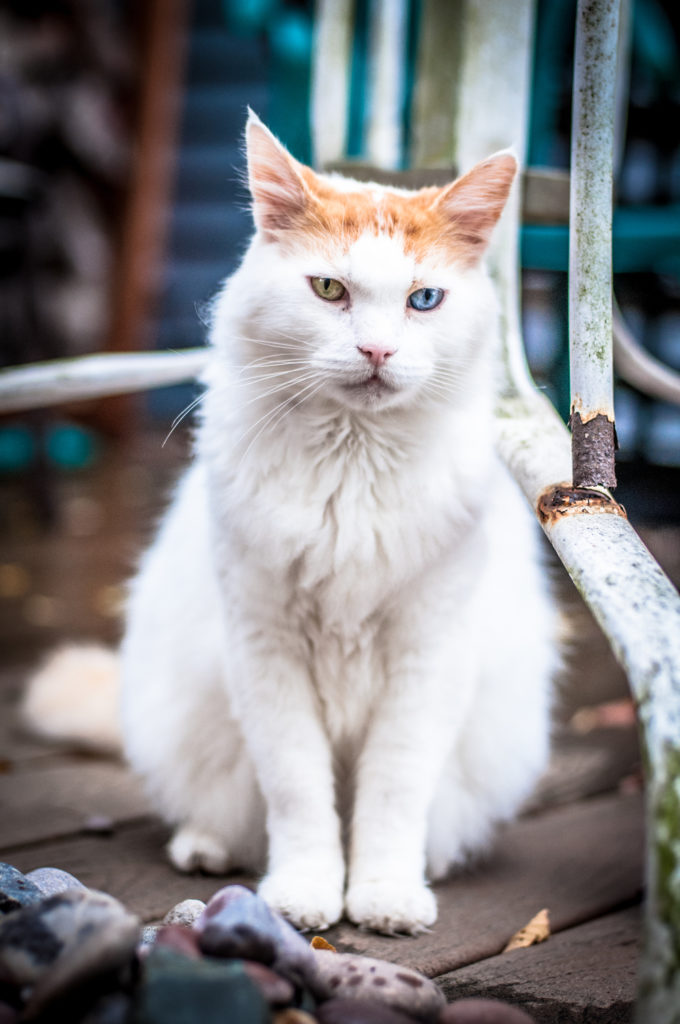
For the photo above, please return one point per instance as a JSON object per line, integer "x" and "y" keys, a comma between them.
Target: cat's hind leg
{"x": 226, "y": 828}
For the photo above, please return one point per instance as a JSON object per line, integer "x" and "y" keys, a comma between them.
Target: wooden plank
{"x": 583, "y": 974}
{"x": 55, "y": 799}
{"x": 579, "y": 861}
{"x": 587, "y": 765}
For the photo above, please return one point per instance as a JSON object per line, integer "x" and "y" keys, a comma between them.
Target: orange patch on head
{"x": 291, "y": 203}
{"x": 456, "y": 220}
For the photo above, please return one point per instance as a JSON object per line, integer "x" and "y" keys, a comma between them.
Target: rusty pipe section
{"x": 590, "y": 234}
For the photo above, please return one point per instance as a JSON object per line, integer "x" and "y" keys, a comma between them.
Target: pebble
{"x": 359, "y": 1011}
{"x": 114, "y": 1008}
{"x": 180, "y": 938}
{"x": 63, "y": 941}
{"x": 277, "y": 991}
{"x": 187, "y": 912}
{"x": 293, "y": 1016}
{"x": 52, "y": 881}
{"x": 16, "y": 890}
{"x": 177, "y": 990}
{"x": 348, "y": 976}
{"x": 148, "y": 935}
{"x": 238, "y": 923}
{"x": 482, "y": 1011}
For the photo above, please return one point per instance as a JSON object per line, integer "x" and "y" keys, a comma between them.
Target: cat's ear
{"x": 279, "y": 192}
{"x": 473, "y": 203}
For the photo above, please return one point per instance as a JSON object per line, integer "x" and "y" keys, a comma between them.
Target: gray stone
{"x": 64, "y": 941}
{"x": 52, "y": 881}
{"x": 16, "y": 890}
{"x": 346, "y": 976}
{"x": 148, "y": 936}
{"x": 176, "y": 990}
{"x": 187, "y": 912}
{"x": 359, "y": 1011}
{"x": 238, "y": 924}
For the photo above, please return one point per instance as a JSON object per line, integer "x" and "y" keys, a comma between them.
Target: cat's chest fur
{"x": 339, "y": 520}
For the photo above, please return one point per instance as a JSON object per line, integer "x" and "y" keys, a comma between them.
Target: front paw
{"x": 309, "y": 900}
{"x": 391, "y": 906}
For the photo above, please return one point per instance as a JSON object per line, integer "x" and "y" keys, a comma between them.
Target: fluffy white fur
{"x": 339, "y": 648}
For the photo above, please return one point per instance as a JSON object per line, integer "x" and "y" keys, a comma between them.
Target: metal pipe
{"x": 69, "y": 380}
{"x": 590, "y": 247}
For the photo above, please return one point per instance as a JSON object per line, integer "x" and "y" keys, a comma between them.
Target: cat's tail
{"x": 73, "y": 699}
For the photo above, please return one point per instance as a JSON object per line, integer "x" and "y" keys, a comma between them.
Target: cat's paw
{"x": 309, "y": 900}
{"x": 193, "y": 849}
{"x": 391, "y": 906}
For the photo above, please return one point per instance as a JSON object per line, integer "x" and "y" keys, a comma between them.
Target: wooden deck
{"x": 577, "y": 850}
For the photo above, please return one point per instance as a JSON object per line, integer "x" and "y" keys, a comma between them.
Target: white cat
{"x": 339, "y": 649}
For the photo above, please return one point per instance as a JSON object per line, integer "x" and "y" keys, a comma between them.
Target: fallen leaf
{"x": 537, "y": 930}
{"x": 318, "y": 942}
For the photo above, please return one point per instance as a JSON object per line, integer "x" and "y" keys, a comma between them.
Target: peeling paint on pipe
{"x": 590, "y": 245}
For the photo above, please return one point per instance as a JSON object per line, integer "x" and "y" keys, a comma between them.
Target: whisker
{"x": 269, "y": 417}
{"x": 182, "y": 415}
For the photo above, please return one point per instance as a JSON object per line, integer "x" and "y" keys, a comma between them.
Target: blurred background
{"x": 122, "y": 209}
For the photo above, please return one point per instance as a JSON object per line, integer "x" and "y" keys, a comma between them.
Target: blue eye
{"x": 426, "y": 298}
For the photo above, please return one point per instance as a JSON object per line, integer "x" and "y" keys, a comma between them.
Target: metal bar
{"x": 389, "y": 20}
{"x": 636, "y": 605}
{"x": 70, "y": 380}
{"x": 331, "y": 70}
{"x": 639, "y": 611}
{"x": 637, "y": 367}
{"x": 590, "y": 247}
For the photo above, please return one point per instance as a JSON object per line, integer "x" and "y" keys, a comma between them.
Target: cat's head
{"x": 377, "y": 295}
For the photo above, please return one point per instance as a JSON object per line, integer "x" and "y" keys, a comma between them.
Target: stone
{"x": 16, "y": 890}
{"x": 176, "y": 990}
{"x": 187, "y": 913}
{"x": 359, "y": 1011}
{"x": 238, "y": 924}
{"x": 482, "y": 1011}
{"x": 348, "y": 976}
{"x": 52, "y": 881}
{"x": 64, "y": 941}
{"x": 180, "y": 938}
{"x": 113, "y": 1008}
{"x": 148, "y": 936}
{"x": 278, "y": 991}
{"x": 292, "y": 1015}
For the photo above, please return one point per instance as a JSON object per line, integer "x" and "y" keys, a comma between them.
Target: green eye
{"x": 328, "y": 288}
{"x": 425, "y": 298}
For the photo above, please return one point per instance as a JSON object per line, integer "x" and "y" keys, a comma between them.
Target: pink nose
{"x": 376, "y": 354}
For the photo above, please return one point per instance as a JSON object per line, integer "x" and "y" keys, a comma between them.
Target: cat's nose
{"x": 377, "y": 355}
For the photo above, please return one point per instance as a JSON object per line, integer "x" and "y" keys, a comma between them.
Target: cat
{"x": 337, "y": 663}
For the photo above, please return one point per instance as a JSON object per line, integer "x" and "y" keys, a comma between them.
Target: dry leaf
{"x": 537, "y": 930}
{"x": 318, "y": 942}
